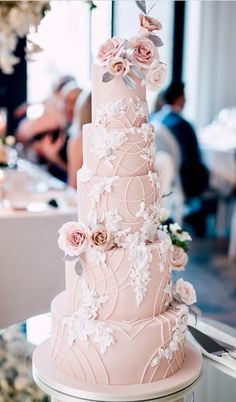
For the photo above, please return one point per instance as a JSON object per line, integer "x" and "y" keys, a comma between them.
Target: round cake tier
{"x": 132, "y": 203}
{"x": 117, "y": 281}
{"x": 117, "y": 352}
{"x": 122, "y": 152}
{"x": 114, "y": 104}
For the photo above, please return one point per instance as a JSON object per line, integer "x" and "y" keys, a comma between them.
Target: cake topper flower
{"x": 135, "y": 61}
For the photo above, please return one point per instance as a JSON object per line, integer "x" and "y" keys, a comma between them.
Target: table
{"x": 214, "y": 385}
{"x": 218, "y": 145}
{"x": 31, "y": 265}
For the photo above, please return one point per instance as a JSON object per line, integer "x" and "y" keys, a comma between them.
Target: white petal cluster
{"x": 83, "y": 324}
{"x": 178, "y": 337}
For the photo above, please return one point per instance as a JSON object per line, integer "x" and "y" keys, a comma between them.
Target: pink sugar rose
{"x": 73, "y": 238}
{"x": 186, "y": 291}
{"x": 111, "y": 48}
{"x": 101, "y": 238}
{"x": 149, "y": 24}
{"x": 118, "y": 66}
{"x": 178, "y": 259}
{"x": 156, "y": 77}
{"x": 144, "y": 51}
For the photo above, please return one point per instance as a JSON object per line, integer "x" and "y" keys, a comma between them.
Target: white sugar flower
{"x": 84, "y": 174}
{"x": 186, "y": 291}
{"x": 164, "y": 214}
{"x": 73, "y": 238}
{"x": 177, "y": 231}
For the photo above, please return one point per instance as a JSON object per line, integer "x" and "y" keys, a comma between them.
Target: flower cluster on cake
{"x": 122, "y": 320}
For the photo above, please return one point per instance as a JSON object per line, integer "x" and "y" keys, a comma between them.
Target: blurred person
{"x": 52, "y": 147}
{"x": 194, "y": 175}
{"x": 54, "y": 102}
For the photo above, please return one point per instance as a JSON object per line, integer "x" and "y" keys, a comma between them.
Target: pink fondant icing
{"x": 112, "y": 91}
{"x": 127, "y": 159}
{"x": 128, "y": 359}
{"x": 114, "y": 281}
{"x": 125, "y": 196}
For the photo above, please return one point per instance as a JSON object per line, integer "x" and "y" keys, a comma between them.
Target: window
{"x": 69, "y": 35}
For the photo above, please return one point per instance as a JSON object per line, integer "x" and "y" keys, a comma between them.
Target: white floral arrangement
{"x": 16, "y": 19}
{"x": 137, "y": 58}
{"x": 16, "y": 380}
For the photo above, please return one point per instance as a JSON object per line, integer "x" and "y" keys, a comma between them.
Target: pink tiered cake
{"x": 116, "y": 323}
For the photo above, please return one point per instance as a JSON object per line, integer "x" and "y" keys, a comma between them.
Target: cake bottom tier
{"x": 117, "y": 352}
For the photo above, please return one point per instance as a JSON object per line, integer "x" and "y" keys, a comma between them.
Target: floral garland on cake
{"x": 137, "y": 58}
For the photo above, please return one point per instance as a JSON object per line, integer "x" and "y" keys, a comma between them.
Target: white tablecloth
{"x": 219, "y": 152}
{"x": 31, "y": 264}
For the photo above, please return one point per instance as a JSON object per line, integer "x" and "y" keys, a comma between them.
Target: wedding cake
{"x": 121, "y": 319}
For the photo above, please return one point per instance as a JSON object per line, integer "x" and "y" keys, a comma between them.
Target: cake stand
{"x": 66, "y": 389}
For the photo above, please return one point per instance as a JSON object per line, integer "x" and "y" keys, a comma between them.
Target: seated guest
{"x": 48, "y": 134}
{"x": 194, "y": 175}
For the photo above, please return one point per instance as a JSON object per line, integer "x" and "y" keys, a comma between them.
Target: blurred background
{"x": 45, "y": 98}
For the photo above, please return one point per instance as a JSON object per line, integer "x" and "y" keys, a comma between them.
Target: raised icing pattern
{"x": 122, "y": 152}
{"x": 127, "y": 112}
{"x": 85, "y": 361}
{"x": 123, "y": 194}
{"x": 131, "y": 275}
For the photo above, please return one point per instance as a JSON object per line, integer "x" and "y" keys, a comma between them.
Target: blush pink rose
{"x": 186, "y": 292}
{"x": 149, "y": 24}
{"x": 118, "y": 66}
{"x": 101, "y": 238}
{"x": 144, "y": 51}
{"x": 156, "y": 77}
{"x": 111, "y": 48}
{"x": 73, "y": 238}
{"x": 178, "y": 259}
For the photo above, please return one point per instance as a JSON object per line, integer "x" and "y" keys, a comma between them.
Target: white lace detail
{"x": 163, "y": 251}
{"x": 154, "y": 179}
{"x": 84, "y": 174}
{"x": 148, "y": 132}
{"x": 120, "y": 109}
{"x": 149, "y": 152}
{"x": 178, "y": 336}
{"x": 169, "y": 293}
{"x": 150, "y": 215}
{"x": 112, "y": 220}
{"x": 105, "y": 142}
{"x": 98, "y": 256}
{"x": 83, "y": 323}
{"x": 140, "y": 257}
{"x": 103, "y": 185}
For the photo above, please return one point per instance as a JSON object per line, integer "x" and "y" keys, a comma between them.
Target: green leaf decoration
{"x": 155, "y": 40}
{"x": 137, "y": 72}
{"x": 129, "y": 82}
{"x": 179, "y": 243}
{"x": 107, "y": 77}
{"x": 142, "y": 6}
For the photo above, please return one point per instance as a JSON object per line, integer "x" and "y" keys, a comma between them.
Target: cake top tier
{"x": 127, "y": 67}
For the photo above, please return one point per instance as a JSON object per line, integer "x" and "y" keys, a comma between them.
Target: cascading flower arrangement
{"x": 137, "y": 58}
{"x": 16, "y": 18}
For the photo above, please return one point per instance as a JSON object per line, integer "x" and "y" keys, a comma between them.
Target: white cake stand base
{"x": 66, "y": 389}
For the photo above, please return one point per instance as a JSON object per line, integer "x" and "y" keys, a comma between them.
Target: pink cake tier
{"x": 120, "y": 151}
{"x": 116, "y": 281}
{"x": 114, "y": 104}
{"x": 117, "y": 352}
{"x": 134, "y": 200}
